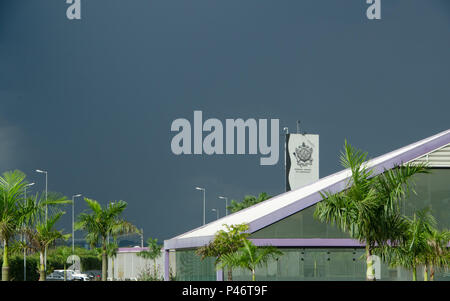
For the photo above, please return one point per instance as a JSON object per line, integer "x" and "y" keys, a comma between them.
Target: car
{"x": 55, "y": 276}
{"x": 94, "y": 275}
{"x": 71, "y": 275}
{"x": 80, "y": 277}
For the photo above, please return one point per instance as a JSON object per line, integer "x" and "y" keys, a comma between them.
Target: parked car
{"x": 77, "y": 276}
{"x": 55, "y": 276}
{"x": 94, "y": 275}
{"x": 71, "y": 275}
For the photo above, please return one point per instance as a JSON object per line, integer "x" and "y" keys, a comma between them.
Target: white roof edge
{"x": 275, "y": 203}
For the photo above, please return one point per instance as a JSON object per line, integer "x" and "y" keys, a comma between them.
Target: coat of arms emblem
{"x": 303, "y": 155}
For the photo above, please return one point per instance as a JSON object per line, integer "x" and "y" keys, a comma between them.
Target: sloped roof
{"x": 288, "y": 203}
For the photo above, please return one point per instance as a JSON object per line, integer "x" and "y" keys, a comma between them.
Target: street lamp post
{"x": 204, "y": 201}
{"x": 46, "y": 209}
{"x": 73, "y": 222}
{"x": 24, "y": 238}
{"x": 226, "y": 203}
{"x": 216, "y": 211}
{"x": 286, "y": 132}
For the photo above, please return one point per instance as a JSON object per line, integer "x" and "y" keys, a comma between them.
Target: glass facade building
{"x": 333, "y": 263}
{"x": 317, "y": 251}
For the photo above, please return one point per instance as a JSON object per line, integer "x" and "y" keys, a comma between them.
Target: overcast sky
{"x": 92, "y": 101}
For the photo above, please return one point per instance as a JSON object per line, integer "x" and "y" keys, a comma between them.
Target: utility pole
{"x": 286, "y": 132}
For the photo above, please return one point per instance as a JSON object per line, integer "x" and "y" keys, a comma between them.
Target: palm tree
{"x": 42, "y": 236}
{"x": 415, "y": 249}
{"x": 101, "y": 223}
{"x": 438, "y": 255}
{"x": 225, "y": 242}
{"x": 249, "y": 257}
{"x": 12, "y": 184}
{"x": 111, "y": 251}
{"x": 368, "y": 209}
{"x": 249, "y": 200}
{"x": 35, "y": 209}
{"x": 61, "y": 254}
{"x": 154, "y": 251}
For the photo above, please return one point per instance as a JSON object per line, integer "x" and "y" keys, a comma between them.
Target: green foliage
{"x": 225, "y": 242}
{"x": 148, "y": 274}
{"x": 249, "y": 257}
{"x": 12, "y": 184}
{"x": 368, "y": 209}
{"x": 424, "y": 245}
{"x": 89, "y": 261}
{"x": 15, "y": 212}
{"x": 154, "y": 249}
{"x": 42, "y": 234}
{"x": 249, "y": 200}
{"x": 102, "y": 222}
{"x": 438, "y": 255}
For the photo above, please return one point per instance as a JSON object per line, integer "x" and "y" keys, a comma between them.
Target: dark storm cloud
{"x": 93, "y": 100}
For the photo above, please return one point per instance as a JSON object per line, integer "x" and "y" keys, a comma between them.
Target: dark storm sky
{"x": 92, "y": 101}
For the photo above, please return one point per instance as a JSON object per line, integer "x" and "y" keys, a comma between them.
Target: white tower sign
{"x": 302, "y": 160}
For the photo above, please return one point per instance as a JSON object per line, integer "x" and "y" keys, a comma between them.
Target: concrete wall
{"x": 129, "y": 266}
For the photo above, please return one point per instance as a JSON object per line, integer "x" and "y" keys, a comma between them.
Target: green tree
{"x": 61, "y": 254}
{"x": 249, "y": 200}
{"x": 369, "y": 207}
{"x": 438, "y": 255}
{"x": 154, "y": 251}
{"x": 111, "y": 251}
{"x": 249, "y": 257}
{"x": 420, "y": 247}
{"x": 12, "y": 184}
{"x": 42, "y": 236}
{"x": 225, "y": 242}
{"x": 102, "y": 222}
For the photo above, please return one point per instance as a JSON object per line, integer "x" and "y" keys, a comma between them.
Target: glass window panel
{"x": 316, "y": 264}
{"x": 190, "y": 267}
{"x": 431, "y": 190}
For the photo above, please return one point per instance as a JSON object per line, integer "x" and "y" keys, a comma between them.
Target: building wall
{"x": 299, "y": 264}
{"x": 129, "y": 266}
{"x": 432, "y": 190}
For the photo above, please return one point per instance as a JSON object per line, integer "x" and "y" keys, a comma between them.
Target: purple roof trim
{"x": 441, "y": 140}
{"x": 188, "y": 243}
{"x": 308, "y": 242}
{"x": 166, "y": 265}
